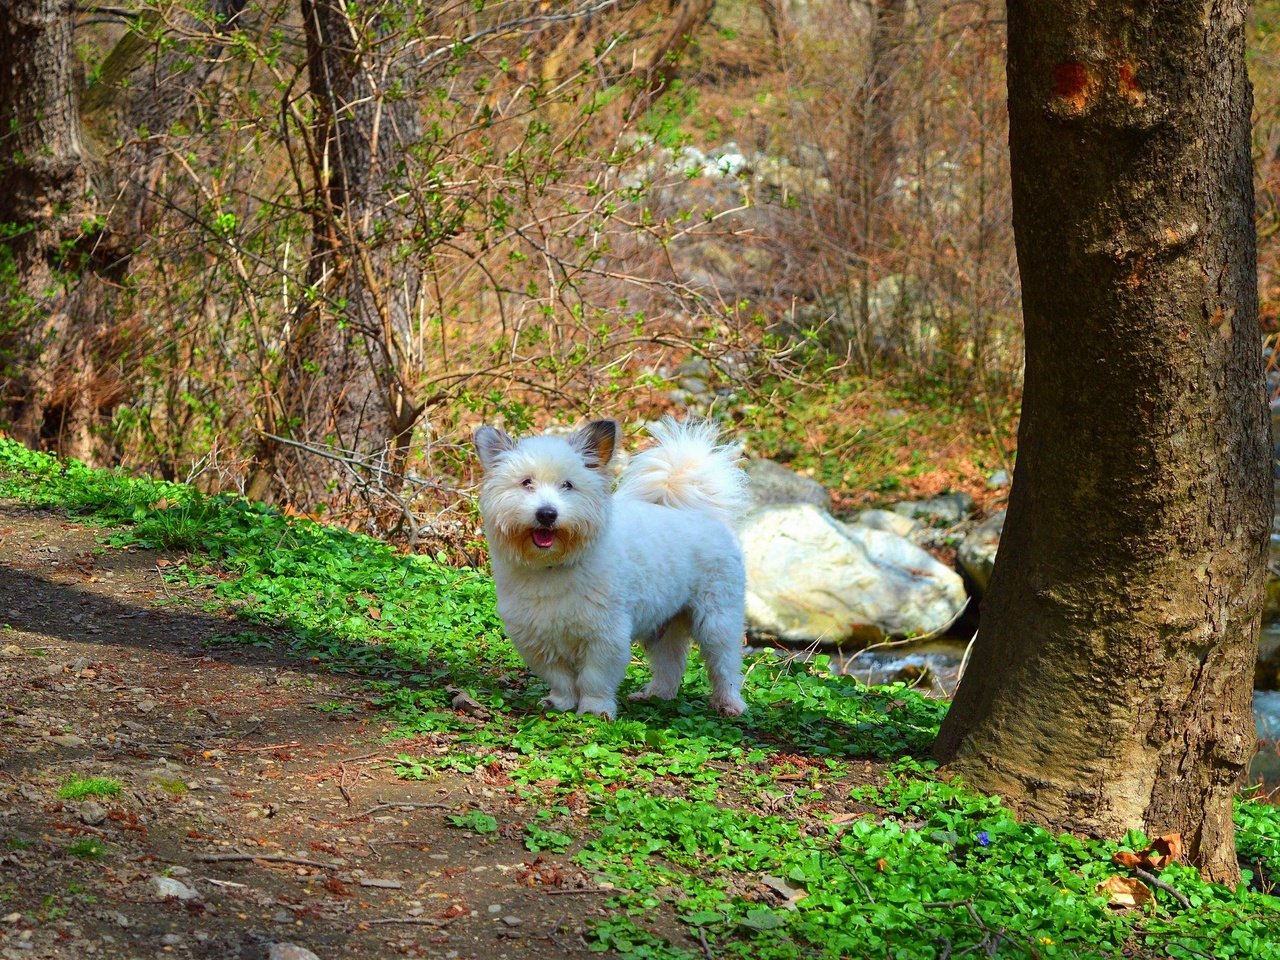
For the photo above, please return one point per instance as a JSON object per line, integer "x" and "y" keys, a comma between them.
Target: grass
{"x": 81, "y": 788}
{"x": 809, "y": 829}
{"x": 90, "y": 848}
{"x": 866, "y": 436}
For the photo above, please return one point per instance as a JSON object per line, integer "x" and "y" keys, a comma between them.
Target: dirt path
{"x": 258, "y": 816}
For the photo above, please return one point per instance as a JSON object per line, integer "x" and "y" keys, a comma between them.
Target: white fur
{"x": 654, "y": 561}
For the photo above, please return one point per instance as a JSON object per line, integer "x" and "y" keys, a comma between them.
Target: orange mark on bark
{"x": 1138, "y": 274}
{"x": 1127, "y": 83}
{"x": 1221, "y": 321}
{"x": 1075, "y": 85}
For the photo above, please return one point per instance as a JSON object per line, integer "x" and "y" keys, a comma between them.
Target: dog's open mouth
{"x": 543, "y": 539}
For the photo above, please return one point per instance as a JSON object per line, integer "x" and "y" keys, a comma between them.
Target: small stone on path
{"x": 289, "y": 951}
{"x": 91, "y": 813}
{"x": 168, "y": 887}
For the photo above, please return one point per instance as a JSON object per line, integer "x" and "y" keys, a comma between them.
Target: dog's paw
{"x": 559, "y": 701}
{"x": 598, "y": 706}
{"x": 729, "y": 706}
{"x": 650, "y": 694}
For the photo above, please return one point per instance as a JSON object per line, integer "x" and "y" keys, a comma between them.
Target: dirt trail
{"x": 251, "y": 824}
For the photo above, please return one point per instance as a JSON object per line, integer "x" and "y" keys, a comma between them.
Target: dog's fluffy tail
{"x": 688, "y": 469}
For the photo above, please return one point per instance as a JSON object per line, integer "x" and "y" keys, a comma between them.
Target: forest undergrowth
{"x": 810, "y": 828}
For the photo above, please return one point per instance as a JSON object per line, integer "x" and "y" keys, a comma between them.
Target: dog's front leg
{"x": 556, "y": 673}
{"x": 564, "y": 689}
{"x": 603, "y": 667}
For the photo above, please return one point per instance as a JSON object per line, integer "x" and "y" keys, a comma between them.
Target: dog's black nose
{"x": 546, "y": 516}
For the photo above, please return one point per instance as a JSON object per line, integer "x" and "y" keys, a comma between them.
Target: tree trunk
{"x": 687, "y": 18}
{"x": 1110, "y": 685}
{"x": 878, "y": 155}
{"x": 43, "y": 191}
{"x": 344, "y": 386}
{"x": 73, "y": 257}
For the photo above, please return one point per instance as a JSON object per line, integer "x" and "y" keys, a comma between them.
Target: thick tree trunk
{"x": 1110, "y": 685}
{"x": 43, "y": 190}
{"x": 345, "y": 387}
{"x": 70, "y": 371}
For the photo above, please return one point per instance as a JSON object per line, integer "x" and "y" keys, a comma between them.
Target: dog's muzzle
{"x": 544, "y": 535}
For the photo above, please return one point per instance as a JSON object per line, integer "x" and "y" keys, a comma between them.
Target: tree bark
{"x": 85, "y": 195}
{"x": 1110, "y": 685}
{"x": 345, "y": 389}
{"x": 688, "y": 17}
{"x": 43, "y": 196}
{"x": 878, "y": 155}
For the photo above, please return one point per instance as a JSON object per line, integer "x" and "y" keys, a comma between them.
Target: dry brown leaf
{"x": 1165, "y": 849}
{"x": 1127, "y": 858}
{"x": 1125, "y": 893}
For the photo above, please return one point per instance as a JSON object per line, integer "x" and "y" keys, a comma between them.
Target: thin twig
{"x": 424, "y": 921}
{"x": 294, "y": 744}
{"x": 391, "y": 805}
{"x": 566, "y": 890}
{"x": 266, "y": 858}
{"x": 706, "y": 947}
{"x": 1155, "y": 881}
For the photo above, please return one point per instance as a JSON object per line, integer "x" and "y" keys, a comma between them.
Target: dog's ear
{"x": 491, "y": 444}
{"x": 597, "y": 441}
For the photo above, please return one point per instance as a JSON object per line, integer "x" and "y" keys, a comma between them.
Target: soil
{"x": 251, "y": 824}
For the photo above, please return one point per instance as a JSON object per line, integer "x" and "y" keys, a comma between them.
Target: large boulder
{"x": 944, "y": 511}
{"x": 812, "y": 578}
{"x": 890, "y": 521}
{"x": 977, "y": 551}
{"x": 771, "y": 484}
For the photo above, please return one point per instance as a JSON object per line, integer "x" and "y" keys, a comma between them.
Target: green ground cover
{"x": 809, "y": 828}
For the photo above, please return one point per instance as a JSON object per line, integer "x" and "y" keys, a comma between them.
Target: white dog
{"x": 582, "y": 569}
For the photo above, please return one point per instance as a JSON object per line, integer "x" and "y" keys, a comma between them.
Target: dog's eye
{"x": 527, "y": 483}
{"x": 566, "y": 485}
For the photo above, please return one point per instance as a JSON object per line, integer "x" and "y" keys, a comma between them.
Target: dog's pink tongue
{"x": 543, "y": 538}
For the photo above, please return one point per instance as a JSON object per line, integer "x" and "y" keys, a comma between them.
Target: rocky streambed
{"x": 870, "y": 591}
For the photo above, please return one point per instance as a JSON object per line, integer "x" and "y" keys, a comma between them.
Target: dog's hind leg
{"x": 718, "y": 630}
{"x": 668, "y": 651}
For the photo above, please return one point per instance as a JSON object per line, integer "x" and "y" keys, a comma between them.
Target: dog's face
{"x": 545, "y": 499}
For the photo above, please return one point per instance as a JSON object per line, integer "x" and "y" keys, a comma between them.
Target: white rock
{"x": 168, "y": 887}
{"x": 811, "y": 577}
{"x": 770, "y": 484}
{"x": 977, "y": 552}
{"x": 289, "y": 951}
{"x": 888, "y": 521}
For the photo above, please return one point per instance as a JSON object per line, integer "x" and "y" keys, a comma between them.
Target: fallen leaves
{"x": 1124, "y": 893}
{"x": 1127, "y": 892}
{"x": 1161, "y": 852}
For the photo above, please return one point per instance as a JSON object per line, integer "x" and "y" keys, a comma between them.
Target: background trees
{"x": 44, "y": 188}
{"x": 1110, "y": 683}
{"x": 557, "y": 212}
{"x": 319, "y": 235}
